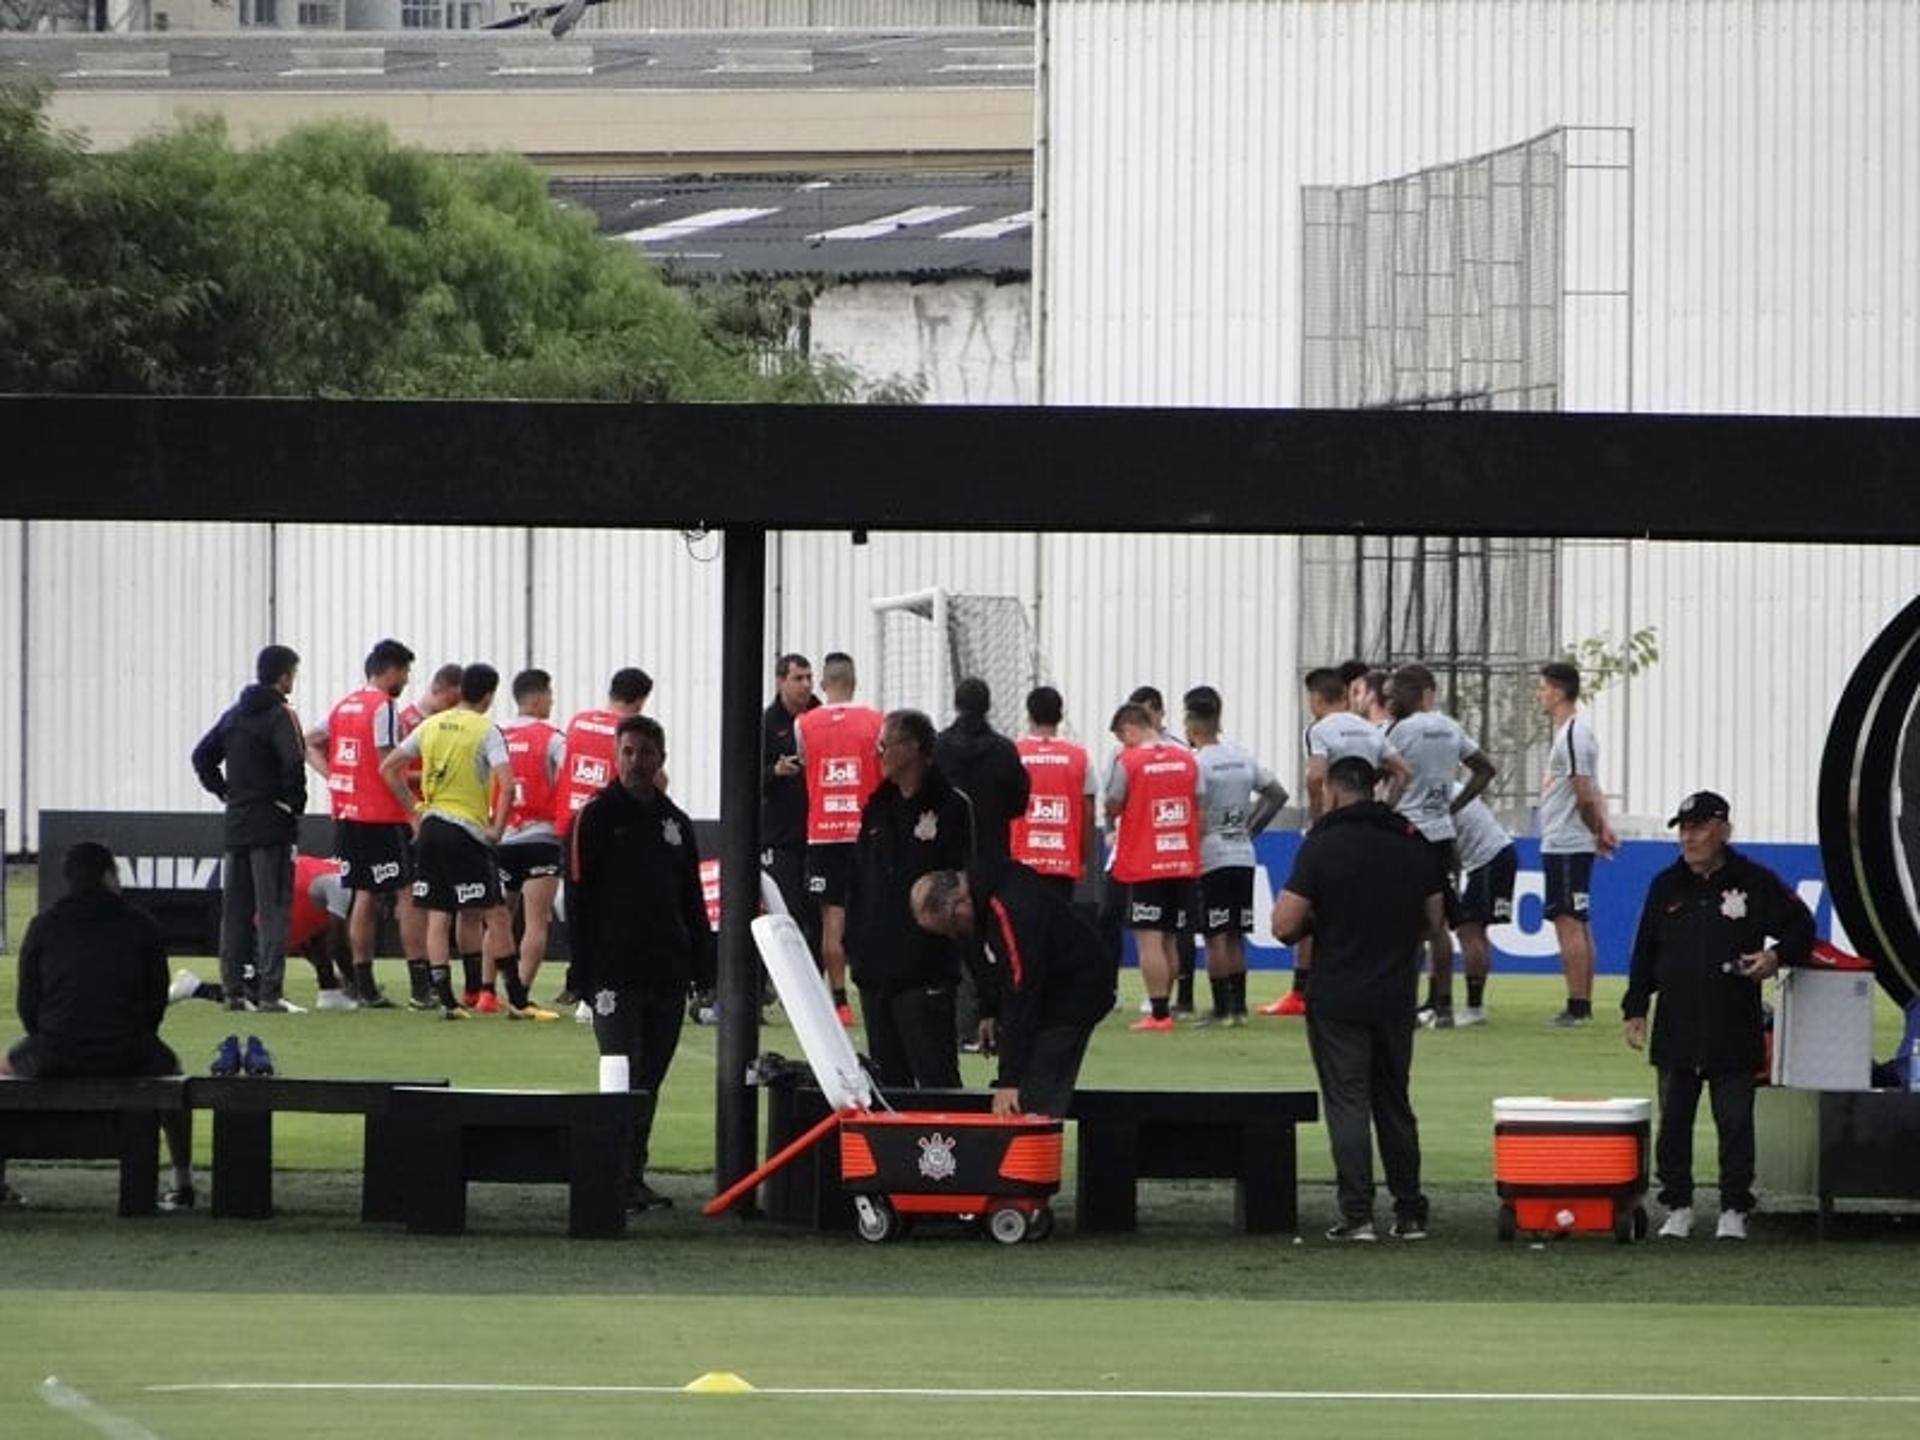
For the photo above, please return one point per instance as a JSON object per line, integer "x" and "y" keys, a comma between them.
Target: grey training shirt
{"x": 1229, "y": 779}
{"x": 1573, "y": 752}
{"x": 1434, "y": 747}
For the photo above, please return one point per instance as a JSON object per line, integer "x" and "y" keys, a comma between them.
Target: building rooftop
{"x": 848, "y": 227}
{"x": 523, "y": 59}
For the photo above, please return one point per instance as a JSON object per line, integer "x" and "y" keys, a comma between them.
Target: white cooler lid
{"x": 1542, "y": 1110}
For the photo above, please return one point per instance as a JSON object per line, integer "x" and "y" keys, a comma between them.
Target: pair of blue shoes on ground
{"x": 229, "y": 1058}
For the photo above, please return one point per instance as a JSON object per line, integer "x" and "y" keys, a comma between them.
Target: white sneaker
{"x": 583, "y": 1014}
{"x": 335, "y": 1000}
{"x": 1732, "y": 1226}
{"x": 1678, "y": 1225}
{"x": 1469, "y": 1015}
{"x": 185, "y": 982}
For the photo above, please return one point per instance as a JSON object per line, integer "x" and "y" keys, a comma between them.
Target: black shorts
{"x": 33, "y": 1058}
{"x": 374, "y": 857}
{"x": 1487, "y": 896}
{"x": 828, "y": 870}
{"x": 528, "y": 860}
{"x": 455, "y": 869}
{"x": 1159, "y": 905}
{"x": 1569, "y": 881}
{"x": 1441, "y": 852}
{"x": 1226, "y": 901}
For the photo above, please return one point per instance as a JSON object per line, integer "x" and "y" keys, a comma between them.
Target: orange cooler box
{"x": 1567, "y": 1167}
{"x": 903, "y": 1164}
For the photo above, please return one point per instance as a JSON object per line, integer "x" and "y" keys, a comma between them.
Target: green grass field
{"x": 1186, "y": 1322}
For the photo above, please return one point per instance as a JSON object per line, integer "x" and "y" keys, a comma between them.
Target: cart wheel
{"x": 1041, "y": 1225}
{"x": 1622, "y": 1225}
{"x": 1639, "y": 1222}
{"x": 1008, "y": 1224}
{"x": 874, "y": 1218}
{"x": 1507, "y": 1226}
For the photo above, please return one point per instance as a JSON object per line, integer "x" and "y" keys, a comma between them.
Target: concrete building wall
{"x": 968, "y": 341}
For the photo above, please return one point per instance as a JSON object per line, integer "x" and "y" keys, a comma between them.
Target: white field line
{"x": 841, "y": 1392}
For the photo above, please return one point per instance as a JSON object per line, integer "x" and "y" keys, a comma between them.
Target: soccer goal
{"x": 927, "y": 640}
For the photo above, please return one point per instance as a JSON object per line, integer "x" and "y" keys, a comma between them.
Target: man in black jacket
{"x": 93, "y": 990}
{"x": 783, "y": 793}
{"x": 985, "y": 766}
{"x": 914, "y": 822}
{"x": 1365, "y": 887}
{"x": 637, "y": 921}
{"x": 1702, "y": 947}
{"x": 254, "y": 760}
{"x": 1045, "y": 980}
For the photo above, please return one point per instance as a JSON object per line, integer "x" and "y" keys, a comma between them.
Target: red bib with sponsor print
{"x": 587, "y": 767}
{"x": 306, "y": 921}
{"x": 527, "y": 744}
{"x": 1051, "y": 836}
{"x": 841, "y": 748}
{"x": 354, "y": 785}
{"x": 1159, "y": 837}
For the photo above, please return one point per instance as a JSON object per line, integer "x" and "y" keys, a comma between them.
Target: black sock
{"x": 363, "y": 982}
{"x": 1580, "y": 1007}
{"x": 1300, "y": 980}
{"x": 470, "y": 971}
{"x": 441, "y": 978}
{"x": 516, "y": 992}
{"x": 1222, "y": 990}
{"x": 1160, "y": 1008}
{"x": 1183, "y": 988}
{"x": 1439, "y": 1000}
{"x": 1238, "y": 996}
{"x": 1476, "y": 991}
{"x": 208, "y": 990}
{"x": 840, "y": 995}
{"x": 419, "y": 978}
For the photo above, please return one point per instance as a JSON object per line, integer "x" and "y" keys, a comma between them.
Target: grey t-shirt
{"x": 1477, "y": 835}
{"x": 1574, "y": 751}
{"x": 1343, "y": 733}
{"x": 1434, "y": 747}
{"x": 1229, "y": 778}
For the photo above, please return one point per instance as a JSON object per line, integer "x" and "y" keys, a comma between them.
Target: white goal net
{"x": 930, "y": 639}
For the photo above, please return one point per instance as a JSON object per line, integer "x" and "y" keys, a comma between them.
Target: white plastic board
{"x": 1823, "y": 1029}
{"x": 809, "y": 1006}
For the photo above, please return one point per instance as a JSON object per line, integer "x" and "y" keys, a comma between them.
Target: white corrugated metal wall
{"x": 13, "y": 690}
{"x": 1775, "y": 267}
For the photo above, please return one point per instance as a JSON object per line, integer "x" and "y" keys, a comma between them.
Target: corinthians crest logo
{"x": 936, "y": 1157}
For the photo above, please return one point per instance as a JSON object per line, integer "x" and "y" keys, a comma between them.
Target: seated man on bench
{"x": 1045, "y": 980}
{"x": 93, "y": 989}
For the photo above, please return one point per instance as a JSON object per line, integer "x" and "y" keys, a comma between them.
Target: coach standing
{"x": 1702, "y": 947}
{"x": 1365, "y": 887}
{"x": 783, "y": 792}
{"x": 638, "y": 921}
{"x": 914, "y": 822}
{"x": 254, "y": 760}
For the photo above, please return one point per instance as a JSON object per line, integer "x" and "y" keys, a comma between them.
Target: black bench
{"x": 451, "y": 1137}
{"x": 93, "y": 1120}
{"x": 1125, "y": 1136}
{"x": 243, "y": 1109}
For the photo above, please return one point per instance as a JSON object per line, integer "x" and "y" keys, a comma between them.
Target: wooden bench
{"x": 243, "y": 1109}
{"x": 451, "y": 1137}
{"x": 1125, "y": 1136}
{"x": 93, "y": 1120}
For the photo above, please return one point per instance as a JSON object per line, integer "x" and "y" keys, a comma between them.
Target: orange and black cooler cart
{"x": 900, "y": 1165}
{"x": 1572, "y": 1167}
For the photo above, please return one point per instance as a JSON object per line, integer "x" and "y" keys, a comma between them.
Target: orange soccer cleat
{"x": 1153, "y": 1023}
{"x": 1291, "y": 1003}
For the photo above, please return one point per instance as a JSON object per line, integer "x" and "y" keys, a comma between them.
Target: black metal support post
{"x": 743, "y": 625}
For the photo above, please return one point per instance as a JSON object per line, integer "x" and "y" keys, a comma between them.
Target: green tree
{"x": 335, "y": 262}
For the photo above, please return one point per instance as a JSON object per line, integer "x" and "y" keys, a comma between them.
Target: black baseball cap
{"x": 1701, "y": 805}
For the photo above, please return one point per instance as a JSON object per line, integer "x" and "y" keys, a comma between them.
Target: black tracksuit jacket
{"x": 636, "y": 915}
{"x": 984, "y": 765}
{"x": 1693, "y": 930}
{"x": 1038, "y": 965}
{"x": 901, "y": 839}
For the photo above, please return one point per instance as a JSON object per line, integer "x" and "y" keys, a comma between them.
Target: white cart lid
{"x": 1542, "y": 1110}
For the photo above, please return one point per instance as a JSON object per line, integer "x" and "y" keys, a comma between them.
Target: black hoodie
{"x": 985, "y": 766}
{"x": 254, "y": 759}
